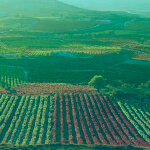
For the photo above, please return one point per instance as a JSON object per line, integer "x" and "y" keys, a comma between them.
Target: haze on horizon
{"x": 113, "y": 5}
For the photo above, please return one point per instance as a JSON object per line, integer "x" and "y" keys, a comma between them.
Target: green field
{"x": 49, "y": 52}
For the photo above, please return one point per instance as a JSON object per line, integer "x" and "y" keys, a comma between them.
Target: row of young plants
{"x": 134, "y": 119}
{"x": 132, "y": 130}
{"x": 7, "y": 105}
{"x": 141, "y": 116}
{"x": 114, "y": 137}
{"x": 117, "y": 134}
{"x": 27, "y": 133}
{"x": 58, "y": 120}
{"x": 48, "y": 137}
{"x": 74, "y": 118}
{"x": 125, "y": 124}
{"x": 146, "y": 110}
{"x": 39, "y": 121}
{"x": 90, "y": 50}
{"x": 101, "y": 118}
{"x": 31, "y": 123}
{"x": 95, "y": 120}
{"x": 116, "y": 123}
{"x": 26, "y": 122}
{"x": 39, "y": 53}
{"x": 135, "y": 140}
{"x": 144, "y": 113}
{"x": 83, "y": 123}
{"x": 11, "y": 76}
{"x": 119, "y": 124}
{"x": 76, "y": 121}
{"x": 121, "y": 134}
{"x": 69, "y": 120}
{"x": 15, "y": 124}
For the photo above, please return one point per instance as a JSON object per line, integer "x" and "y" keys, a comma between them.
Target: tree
{"x": 97, "y": 82}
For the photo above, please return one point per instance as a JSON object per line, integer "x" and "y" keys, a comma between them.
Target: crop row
{"x": 39, "y": 53}
{"x": 31, "y": 123}
{"x": 11, "y": 76}
{"x": 75, "y": 50}
{"x": 7, "y": 104}
{"x": 138, "y": 118}
{"x": 72, "y": 118}
{"x": 93, "y": 119}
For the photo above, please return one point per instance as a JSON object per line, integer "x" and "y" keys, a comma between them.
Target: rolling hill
{"x": 133, "y": 6}
{"x": 34, "y": 8}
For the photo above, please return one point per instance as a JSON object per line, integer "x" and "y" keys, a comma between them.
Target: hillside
{"x": 133, "y": 6}
{"x": 36, "y": 8}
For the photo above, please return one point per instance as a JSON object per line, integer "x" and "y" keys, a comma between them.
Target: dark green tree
{"x": 97, "y": 82}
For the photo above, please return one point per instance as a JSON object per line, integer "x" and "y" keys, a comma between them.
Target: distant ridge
{"x": 36, "y": 7}
{"x": 132, "y": 6}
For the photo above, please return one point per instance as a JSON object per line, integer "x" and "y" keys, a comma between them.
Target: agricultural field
{"x": 45, "y": 88}
{"x": 49, "y": 54}
{"x": 11, "y": 76}
{"x": 80, "y": 68}
{"x": 26, "y": 127}
{"x": 72, "y": 118}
